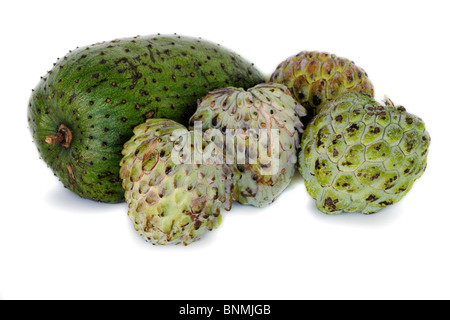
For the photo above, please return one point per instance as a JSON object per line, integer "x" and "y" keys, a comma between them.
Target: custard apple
{"x": 171, "y": 199}
{"x": 361, "y": 156}
{"x": 266, "y": 162}
{"x": 316, "y": 77}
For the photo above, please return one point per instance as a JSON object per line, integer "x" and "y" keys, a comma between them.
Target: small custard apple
{"x": 264, "y": 126}
{"x": 316, "y": 77}
{"x": 360, "y": 156}
{"x": 171, "y": 199}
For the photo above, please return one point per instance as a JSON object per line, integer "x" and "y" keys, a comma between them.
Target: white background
{"x": 54, "y": 245}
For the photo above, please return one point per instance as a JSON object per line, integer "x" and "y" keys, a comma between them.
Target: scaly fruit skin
{"x": 317, "y": 77}
{"x": 170, "y": 203}
{"x": 360, "y": 156}
{"x": 101, "y": 92}
{"x": 268, "y": 107}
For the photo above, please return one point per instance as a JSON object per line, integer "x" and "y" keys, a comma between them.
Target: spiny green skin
{"x": 101, "y": 92}
{"x": 170, "y": 203}
{"x": 360, "y": 156}
{"x": 317, "y": 77}
{"x": 266, "y": 106}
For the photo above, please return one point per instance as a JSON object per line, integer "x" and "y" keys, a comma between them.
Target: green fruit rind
{"x": 256, "y": 112}
{"x": 171, "y": 203}
{"x": 101, "y": 92}
{"x": 317, "y": 77}
{"x": 361, "y": 156}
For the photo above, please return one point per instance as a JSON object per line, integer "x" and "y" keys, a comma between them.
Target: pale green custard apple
{"x": 171, "y": 202}
{"x": 317, "y": 77}
{"x": 268, "y": 160}
{"x": 361, "y": 156}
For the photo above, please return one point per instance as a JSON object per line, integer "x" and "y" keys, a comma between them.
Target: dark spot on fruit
{"x": 338, "y": 118}
{"x": 330, "y": 203}
{"x": 96, "y": 75}
{"x": 354, "y": 127}
{"x": 72, "y": 98}
{"x": 214, "y": 121}
{"x": 372, "y": 198}
{"x": 124, "y": 119}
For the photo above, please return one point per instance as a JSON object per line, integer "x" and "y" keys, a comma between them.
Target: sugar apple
{"x": 266, "y": 162}
{"x": 171, "y": 200}
{"x": 316, "y": 77}
{"x": 361, "y": 156}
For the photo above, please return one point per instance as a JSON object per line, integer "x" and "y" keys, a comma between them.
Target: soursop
{"x": 172, "y": 200}
{"x": 85, "y": 108}
{"x": 361, "y": 156}
{"x": 317, "y": 77}
{"x": 265, "y": 159}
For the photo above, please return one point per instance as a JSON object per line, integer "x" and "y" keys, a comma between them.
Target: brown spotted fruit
{"x": 85, "y": 108}
{"x": 261, "y": 130}
{"x": 360, "y": 156}
{"x": 173, "y": 197}
{"x": 317, "y": 77}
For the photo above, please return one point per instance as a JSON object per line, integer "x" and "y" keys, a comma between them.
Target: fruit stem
{"x": 62, "y": 137}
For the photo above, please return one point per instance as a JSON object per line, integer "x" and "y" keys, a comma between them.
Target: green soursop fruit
{"x": 317, "y": 77}
{"x": 171, "y": 201}
{"x": 85, "y": 108}
{"x": 361, "y": 156}
{"x": 266, "y": 162}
